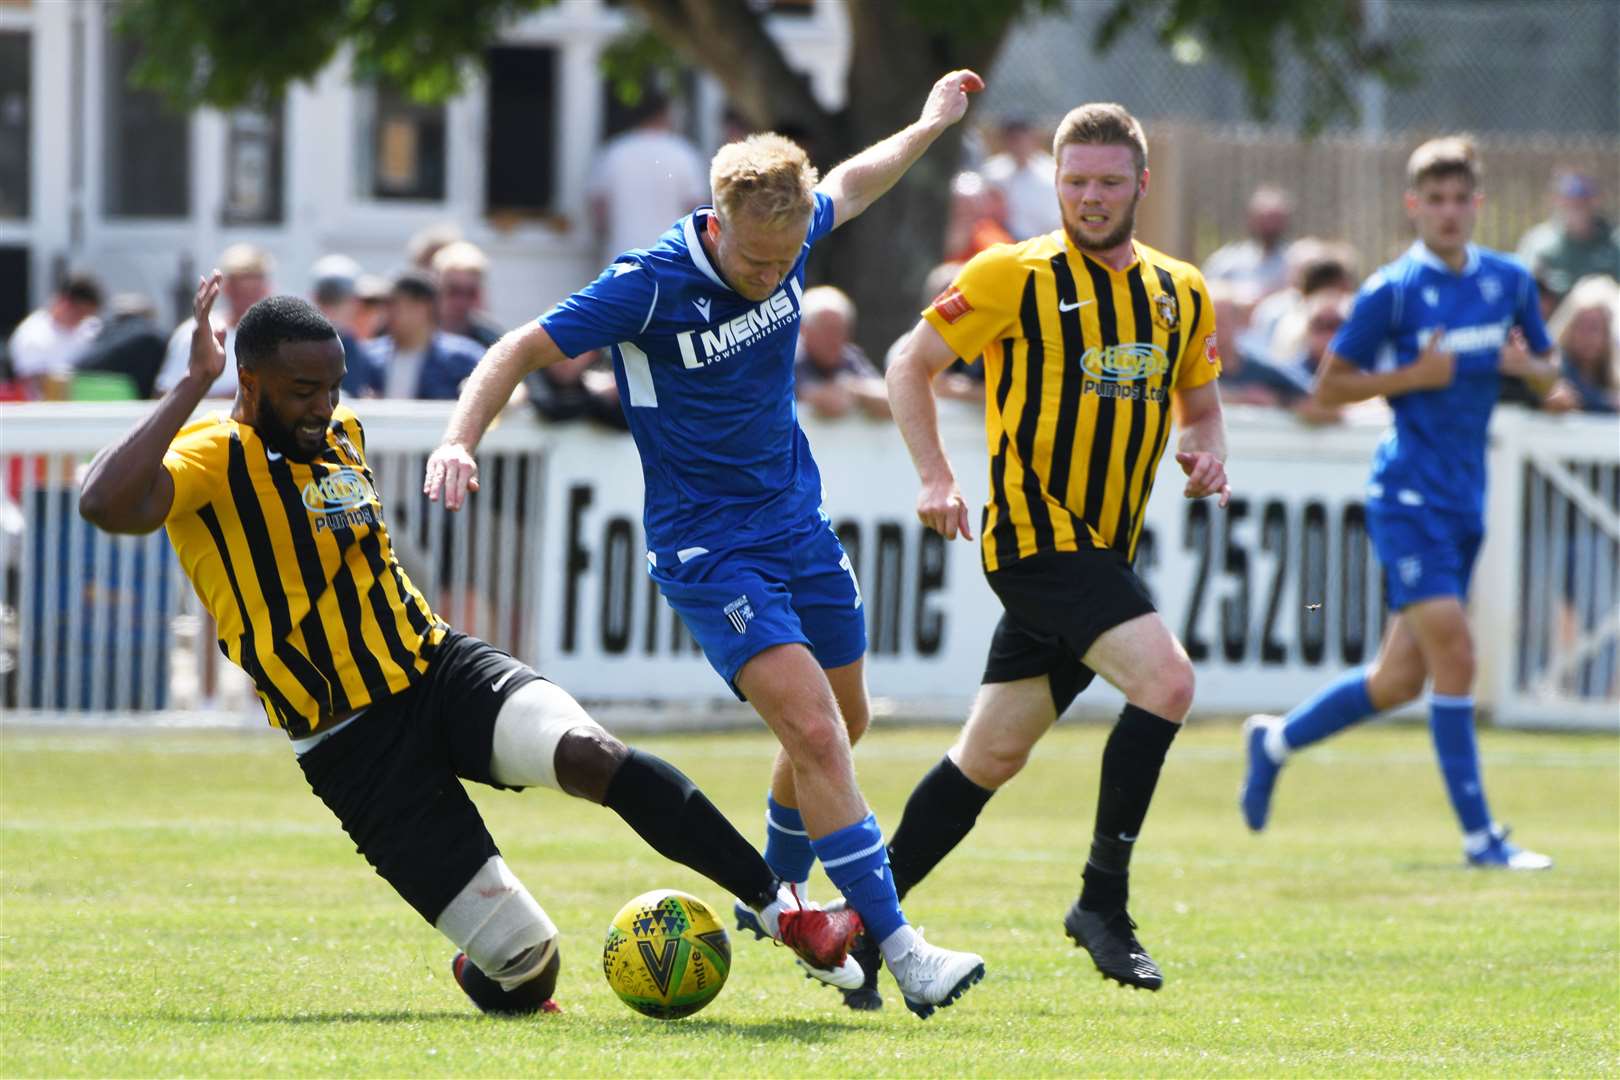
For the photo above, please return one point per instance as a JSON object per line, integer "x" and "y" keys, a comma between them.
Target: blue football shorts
{"x": 797, "y": 587}
{"x": 1425, "y": 553}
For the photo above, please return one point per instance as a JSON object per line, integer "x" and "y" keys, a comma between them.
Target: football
{"x": 666, "y": 954}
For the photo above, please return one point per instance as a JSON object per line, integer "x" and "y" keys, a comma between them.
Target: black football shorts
{"x": 1055, "y": 606}
{"x": 393, "y": 775}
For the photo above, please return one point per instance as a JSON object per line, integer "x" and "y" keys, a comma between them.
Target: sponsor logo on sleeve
{"x": 1212, "y": 352}
{"x": 952, "y": 305}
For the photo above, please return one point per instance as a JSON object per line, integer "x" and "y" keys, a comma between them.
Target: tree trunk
{"x": 883, "y": 258}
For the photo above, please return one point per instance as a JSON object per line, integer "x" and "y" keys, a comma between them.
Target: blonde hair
{"x": 766, "y": 178}
{"x": 1102, "y": 123}
{"x": 460, "y": 255}
{"x": 1450, "y": 155}
{"x": 1594, "y": 292}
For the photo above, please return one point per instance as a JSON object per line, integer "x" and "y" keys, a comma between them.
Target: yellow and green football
{"x": 666, "y": 954}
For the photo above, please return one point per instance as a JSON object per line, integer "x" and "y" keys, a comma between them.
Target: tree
{"x": 225, "y": 53}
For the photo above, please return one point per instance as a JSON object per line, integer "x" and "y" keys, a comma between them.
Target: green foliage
{"x": 180, "y": 904}
{"x": 636, "y": 61}
{"x": 232, "y": 52}
{"x": 1251, "y": 37}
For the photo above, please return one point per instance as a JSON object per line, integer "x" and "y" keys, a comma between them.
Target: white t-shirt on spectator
{"x": 404, "y": 373}
{"x": 648, "y": 179}
{"x": 178, "y": 358}
{"x": 40, "y": 347}
{"x": 1032, "y": 206}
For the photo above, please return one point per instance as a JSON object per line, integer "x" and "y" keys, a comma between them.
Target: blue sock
{"x": 1335, "y": 707}
{"x": 856, "y": 860}
{"x": 1451, "y": 722}
{"x": 787, "y": 845}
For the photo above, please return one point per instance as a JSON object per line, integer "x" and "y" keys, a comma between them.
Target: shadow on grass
{"x": 395, "y": 1016}
{"x": 781, "y": 1029}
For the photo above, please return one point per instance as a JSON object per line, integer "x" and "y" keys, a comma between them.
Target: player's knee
{"x": 815, "y": 741}
{"x": 1166, "y": 689}
{"x": 587, "y": 759}
{"x": 1392, "y": 685}
{"x": 992, "y": 763}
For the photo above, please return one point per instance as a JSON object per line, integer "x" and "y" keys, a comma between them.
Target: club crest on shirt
{"x": 1166, "y": 312}
{"x": 1490, "y": 288}
{"x": 740, "y": 612}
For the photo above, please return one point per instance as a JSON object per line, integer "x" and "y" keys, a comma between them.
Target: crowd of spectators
{"x": 1278, "y": 298}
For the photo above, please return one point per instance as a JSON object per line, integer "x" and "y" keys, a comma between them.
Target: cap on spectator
{"x": 426, "y": 243}
{"x": 333, "y": 278}
{"x": 246, "y": 259}
{"x": 132, "y": 304}
{"x": 1574, "y": 185}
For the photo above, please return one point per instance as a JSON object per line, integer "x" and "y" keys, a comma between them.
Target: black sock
{"x": 1130, "y": 770}
{"x": 940, "y": 812}
{"x": 680, "y": 823}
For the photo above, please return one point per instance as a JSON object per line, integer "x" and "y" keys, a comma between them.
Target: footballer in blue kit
{"x": 1434, "y": 332}
{"x": 702, "y": 325}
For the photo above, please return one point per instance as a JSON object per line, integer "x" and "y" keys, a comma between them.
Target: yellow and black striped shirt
{"x": 293, "y": 562}
{"x": 1079, "y": 362}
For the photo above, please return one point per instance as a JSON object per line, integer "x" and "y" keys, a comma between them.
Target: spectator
{"x": 45, "y": 346}
{"x": 1023, "y": 173}
{"x": 961, "y": 381}
{"x": 1313, "y": 266}
{"x": 130, "y": 343}
{"x": 414, "y": 359}
{"x": 1324, "y": 313}
{"x": 977, "y": 218}
{"x": 333, "y": 279}
{"x": 831, "y": 373}
{"x": 370, "y": 306}
{"x": 643, "y": 180}
{"x": 579, "y": 388}
{"x": 1576, "y": 241}
{"x": 426, "y": 243}
{"x": 461, "y": 268}
{"x": 1257, "y": 262}
{"x": 247, "y": 272}
{"x": 1583, "y": 328}
{"x": 1245, "y": 380}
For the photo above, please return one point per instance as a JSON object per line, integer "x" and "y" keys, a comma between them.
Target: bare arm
{"x": 127, "y": 489}
{"x": 910, "y": 378}
{"x": 860, "y": 181}
{"x": 1540, "y": 373}
{"x": 1201, "y": 453}
{"x": 452, "y": 469}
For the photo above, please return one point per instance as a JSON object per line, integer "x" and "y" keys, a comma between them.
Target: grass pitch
{"x": 178, "y": 903}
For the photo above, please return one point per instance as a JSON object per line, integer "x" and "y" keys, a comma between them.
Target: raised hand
{"x": 207, "y": 360}
{"x": 948, "y": 100}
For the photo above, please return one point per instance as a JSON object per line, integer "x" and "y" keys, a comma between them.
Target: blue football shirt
{"x": 1434, "y": 455}
{"x": 706, "y": 380}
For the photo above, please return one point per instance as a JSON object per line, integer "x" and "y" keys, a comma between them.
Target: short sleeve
{"x": 1200, "y": 358}
{"x": 615, "y": 307}
{"x": 1527, "y": 316}
{"x": 196, "y": 462}
{"x": 822, "y": 218}
{"x": 979, "y": 306}
{"x": 1371, "y": 322}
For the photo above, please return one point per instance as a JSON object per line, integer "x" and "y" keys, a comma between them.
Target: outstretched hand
{"x": 207, "y": 344}
{"x": 1206, "y": 475}
{"x": 948, "y": 100}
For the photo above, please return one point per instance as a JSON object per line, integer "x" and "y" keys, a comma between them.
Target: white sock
{"x": 770, "y": 914}
{"x": 1275, "y": 746}
{"x": 1478, "y": 840}
{"x": 898, "y": 944}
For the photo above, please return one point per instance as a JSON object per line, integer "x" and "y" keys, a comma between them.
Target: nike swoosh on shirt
{"x": 272, "y": 455}
{"x": 500, "y": 682}
{"x": 1076, "y": 306}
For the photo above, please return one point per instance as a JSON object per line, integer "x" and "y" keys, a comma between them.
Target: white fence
{"x": 1271, "y": 597}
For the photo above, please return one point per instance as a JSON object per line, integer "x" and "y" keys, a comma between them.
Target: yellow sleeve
{"x": 196, "y": 461}
{"x": 1200, "y": 359}
{"x": 980, "y": 305}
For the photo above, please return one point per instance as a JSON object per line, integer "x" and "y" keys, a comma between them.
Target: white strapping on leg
{"x": 500, "y": 927}
{"x": 528, "y": 728}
